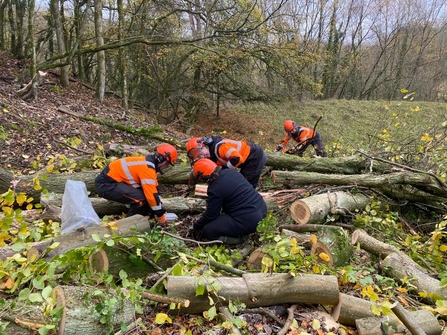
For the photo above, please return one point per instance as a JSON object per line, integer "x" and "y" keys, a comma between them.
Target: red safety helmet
{"x": 289, "y": 125}
{"x": 167, "y": 152}
{"x": 203, "y": 169}
{"x": 194, "y": 148}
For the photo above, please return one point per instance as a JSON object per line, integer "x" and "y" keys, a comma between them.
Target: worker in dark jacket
{"x": 304, "y": 136}
{"x": 250, "y": 158}
{"x": 133, "y": 181}
{"x": 234, "y": 208}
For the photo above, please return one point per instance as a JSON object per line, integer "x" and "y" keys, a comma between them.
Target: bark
{"x": 177, "y": 205}
{"x": 83, "y": 237}
{"x": 398, "y": 265}
{"x": 421, "y": 181}
{"x": 423, "y": 318}
{"x": 80, "y": 314}
{"x": 251, "y": 290}
{"x": 335, "y": 244}
{"x": 351, "y": 308}
{"x": 343, "y": 165}
{"x": 372, "y": 245}
{"x": 407, "y": 319}
{"x": 315, "y": 209}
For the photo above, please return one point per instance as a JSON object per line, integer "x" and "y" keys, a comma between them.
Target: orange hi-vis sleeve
{"x": 137, "y": 172}
{"x": 227, "y": 150}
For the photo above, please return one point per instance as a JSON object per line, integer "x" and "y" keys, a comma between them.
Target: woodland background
{"x": 375, "y": 70}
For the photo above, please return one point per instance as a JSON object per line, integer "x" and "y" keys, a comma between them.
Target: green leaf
{"x": 200, "y": 290}
{"x": 96, "y": 238}
{"x": 35, "y": 297}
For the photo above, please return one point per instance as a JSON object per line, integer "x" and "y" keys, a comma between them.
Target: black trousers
{"x": 252, "y": 167}
{"x": 109, "y": 189}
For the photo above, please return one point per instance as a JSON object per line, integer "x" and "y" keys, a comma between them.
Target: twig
{"x": 130, "y": 326}
{"x": 289, "y": 320}
{"x": 67, "y": 145}
{"x": 212, "y": 262}
{"x": 190, "y": 240}
{"x": 262, "y": 311}
{"x": 225, "y": 315}
{"x": 165, "y": 299}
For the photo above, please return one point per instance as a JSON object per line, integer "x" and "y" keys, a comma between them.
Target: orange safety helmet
{"x": 167, "y": 152}
{"x": 203, "y": 169}
{"x": 194, "y": 147}
{"x": 289, "y": 125}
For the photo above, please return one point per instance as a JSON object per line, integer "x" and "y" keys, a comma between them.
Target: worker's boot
{"x": 227, "y": 240}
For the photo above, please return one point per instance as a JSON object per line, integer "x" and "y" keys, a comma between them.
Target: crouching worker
{"x": 133, "y": 181}
{"x": 234, "y": 208}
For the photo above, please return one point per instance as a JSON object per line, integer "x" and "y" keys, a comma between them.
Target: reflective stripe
{"x": 156, "y": 208}
{"x": 148, "y": 181}
{"x": 216, "y": 149}
{"x": 125, "y": 165}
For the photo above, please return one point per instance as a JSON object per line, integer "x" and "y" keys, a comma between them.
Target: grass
{"x": 395, "y": 129}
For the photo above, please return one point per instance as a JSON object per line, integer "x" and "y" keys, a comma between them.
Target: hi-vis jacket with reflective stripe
{"x": 138, "y": 172}
{"x": 304, "y": 134}
{"x": 229, "y": 150}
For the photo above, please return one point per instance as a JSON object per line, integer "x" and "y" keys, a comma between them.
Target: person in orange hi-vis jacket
{"x": 304, "y": 136}
{"x": 133, "y": 181}
{"x": 246, "y": 156}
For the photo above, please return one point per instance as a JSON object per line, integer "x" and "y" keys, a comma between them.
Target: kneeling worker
{"x": 234, "y": 208}
{"x": 133, "y": 181}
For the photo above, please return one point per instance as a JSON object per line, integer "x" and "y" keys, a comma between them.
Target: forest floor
{"x": 34, "y": 132}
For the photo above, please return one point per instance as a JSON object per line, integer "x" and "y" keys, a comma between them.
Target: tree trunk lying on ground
{"x": 80, "y": 315}
{"x": 177, "y": 205}
{"x": 399, "y": 265}
{"x": 373, "y": 325}
{"x": 344, "y": 165}
{"x": 82, "y": 237}
{"x": 420, "y": 181}
{"x": 314, "y": 209}
{"x": 257, "y": 290}
{"x": 419, "y": 187}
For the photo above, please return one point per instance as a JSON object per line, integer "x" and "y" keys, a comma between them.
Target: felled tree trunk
{"x": 83, "y": 237}
{"x": 398, "y": 265}
{"x": 421, "y": 181}
{"x": 315, "y": 209}
{"x": 177, "y": 205}
{"x": 80, "y": 315}
{"x": 424, "y": 318}
{"x": 257, "y": 290}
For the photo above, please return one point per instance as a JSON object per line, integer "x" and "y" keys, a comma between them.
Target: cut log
{"x": 251, "y": 290}
{"x": 315, "y": 209}
{"x": 372, "y": 325}
{"x": 80, "y": 312}
{"x": 398, "y": 266}
{"x": 83, "y": 237}
{"x": 350, "y": 308}
{"x": 335, "y": 244}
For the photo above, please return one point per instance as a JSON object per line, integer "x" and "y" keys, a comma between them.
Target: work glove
{"x": 194, "y": 233}
{"x": 162, "y": 220}
{"x": 279, "y": 148}
{"x": 231, "y": 166}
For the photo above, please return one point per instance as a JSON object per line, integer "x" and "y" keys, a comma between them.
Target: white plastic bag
{"x": 77, "y": 210}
